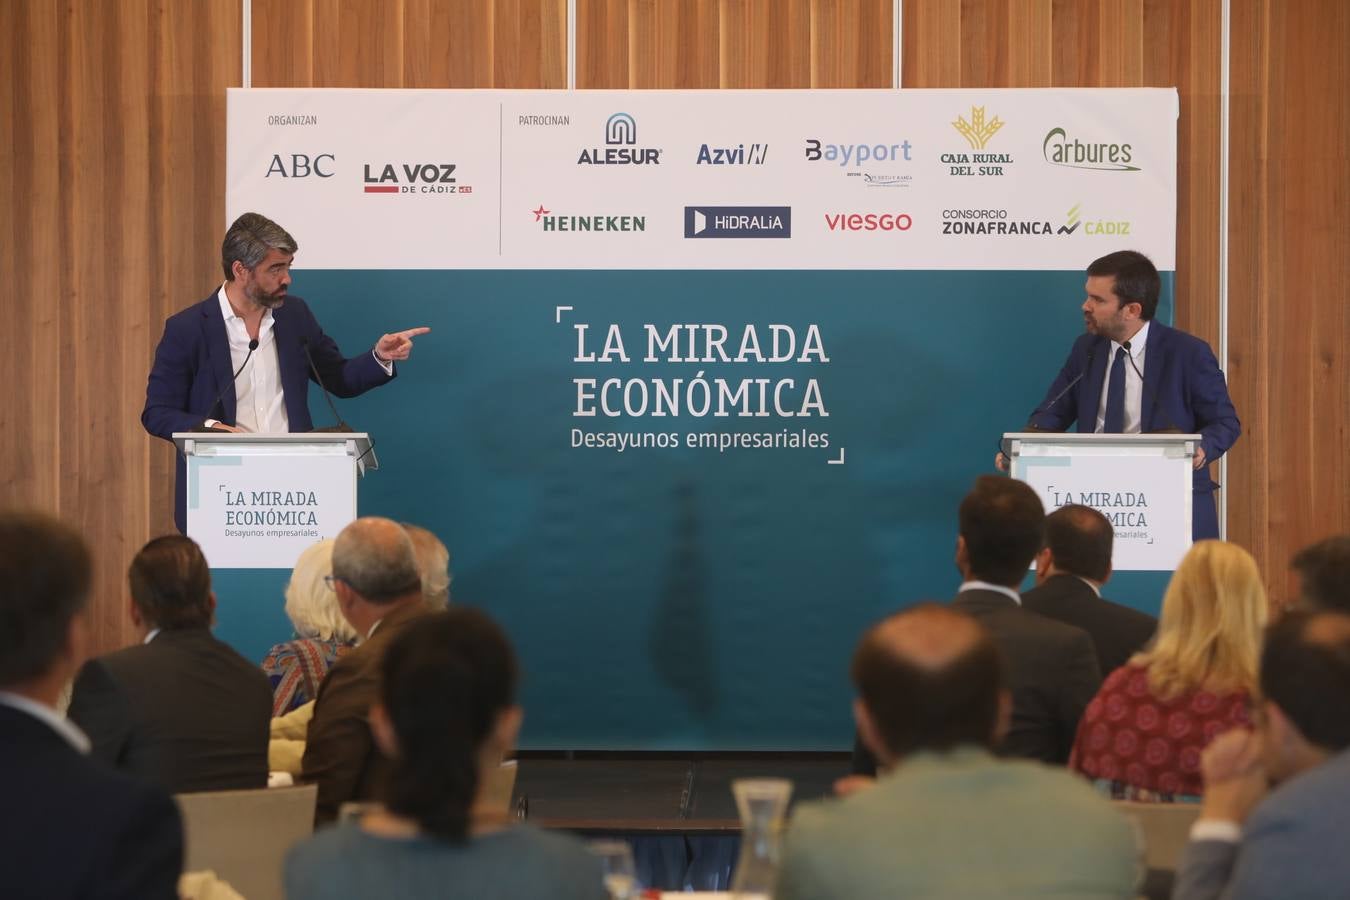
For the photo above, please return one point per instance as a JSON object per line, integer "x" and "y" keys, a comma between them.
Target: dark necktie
{"x": 1114, "y": 421}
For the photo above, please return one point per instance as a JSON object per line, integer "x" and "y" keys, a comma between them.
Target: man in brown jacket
{"x": 379, "y": 590}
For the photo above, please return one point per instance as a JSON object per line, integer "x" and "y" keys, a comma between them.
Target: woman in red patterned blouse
{"x": 1140, "y": 738}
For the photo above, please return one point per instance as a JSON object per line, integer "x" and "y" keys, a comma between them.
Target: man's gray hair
{"x": 249, "y": 239}
{"x": 375, "y": 557}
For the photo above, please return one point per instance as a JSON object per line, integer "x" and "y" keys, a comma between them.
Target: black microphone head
{"x": 253, "y": 345}
{"x": 1126, "y": 345}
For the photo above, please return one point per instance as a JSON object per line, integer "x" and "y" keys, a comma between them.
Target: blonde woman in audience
{"x": 433, "y": 561}
{"x": 322, "y": 635}
{"x": 445, "y": 715}
{"x": 1142, "y": 735}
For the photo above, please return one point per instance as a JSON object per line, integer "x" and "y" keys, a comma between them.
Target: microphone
{"x": 252, "y": 345}
{"x": 341, "y": 426}
{"x": 1087, "y": 367}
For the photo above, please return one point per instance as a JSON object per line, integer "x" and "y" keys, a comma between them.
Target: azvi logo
{"x": 620, "y": 138}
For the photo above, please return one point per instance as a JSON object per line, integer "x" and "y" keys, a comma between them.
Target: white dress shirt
{"x": 259, "y": 404}
{"x": 1134, "y": 385}
{"x": 986, "y": 586}
{"x": 49, "y": 717}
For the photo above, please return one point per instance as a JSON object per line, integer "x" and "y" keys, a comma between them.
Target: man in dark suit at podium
{"x": 1129, "y": 374}
{"x": 71, "y": 828}
{"x": 241, "y": 360}
{"x": 1070, "y": 571}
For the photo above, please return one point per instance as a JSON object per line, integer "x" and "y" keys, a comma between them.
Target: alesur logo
{"x": 738, "y": 221}
{"x": 740, "y": 155}
{"x": 413, "y": 178}
{"x": 978, "y": 131}
{"x": 301, "y": 165}
{"x": 620, "y": 149}
{"x": 551, "y": 222}
{"x": 1060, "y": 149}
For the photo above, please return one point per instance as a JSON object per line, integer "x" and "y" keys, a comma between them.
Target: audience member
{"x": 433, "y": 561}
{"x": 1324, "y": 574}
{"x": 1251, "y": 842}
{"x": 180, "y": 707}
{"x": 71, "y": 828}
{"x": 379, "y": 591}
{"x": 1070, "y": 571}
{"x": 1142, "y": 735}
{"x": 445, "y": 716}
{"x": 297, "y": 667}
{"x": 946, "y": 818}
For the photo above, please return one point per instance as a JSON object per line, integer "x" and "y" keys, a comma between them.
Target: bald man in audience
{"x": 379, "y": 590}
{"x": 1253, "y": 840}
{"x": 946, "y": 817}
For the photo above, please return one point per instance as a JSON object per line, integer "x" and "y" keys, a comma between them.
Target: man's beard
{"x": 266, "y": 300}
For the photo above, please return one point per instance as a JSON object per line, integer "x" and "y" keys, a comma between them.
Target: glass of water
{"x": 616, "y": 863}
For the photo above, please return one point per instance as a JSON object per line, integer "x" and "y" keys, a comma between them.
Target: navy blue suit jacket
{"x": 193, "y": 366}
{"x": 1184, "y": 390}
{"x": 75, "y": 829}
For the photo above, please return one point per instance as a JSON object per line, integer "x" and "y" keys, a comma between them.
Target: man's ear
{"x": 1003, "y": 722}
{"x": 962, "y": 555}
{"x": 382, "y": 730}
{"x": 871, "y": 735}
{"x": 1044, "y": 560}
{"x": 135, "y": 613}
{"x": 507, "y": 729}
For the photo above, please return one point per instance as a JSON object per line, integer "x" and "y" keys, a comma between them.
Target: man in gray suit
{"x": 1252, "y": 841}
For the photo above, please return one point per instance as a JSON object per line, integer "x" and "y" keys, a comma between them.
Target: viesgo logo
{"x": 413, "y": 178}
{"x": 620, "y": 150}
{"x": 868, "y": 221}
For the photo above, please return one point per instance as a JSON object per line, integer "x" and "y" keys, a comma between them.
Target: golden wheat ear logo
{"x": 977, "y": 131}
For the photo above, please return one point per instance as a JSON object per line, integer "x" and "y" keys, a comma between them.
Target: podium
{"x": 255, "y": 501}
{"x": 1141, "y": 482}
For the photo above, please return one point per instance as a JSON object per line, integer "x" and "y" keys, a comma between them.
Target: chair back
{"x": 243, "y": 836}
{"x": 1165, "y": 828}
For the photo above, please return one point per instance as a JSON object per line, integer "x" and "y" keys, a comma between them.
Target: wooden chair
{"x": 243, "y": 836}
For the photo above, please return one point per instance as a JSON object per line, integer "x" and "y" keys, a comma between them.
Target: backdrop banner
{"x": 709, "y": 372}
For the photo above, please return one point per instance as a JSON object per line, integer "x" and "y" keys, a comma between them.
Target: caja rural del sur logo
{"x": 978, "y": 131}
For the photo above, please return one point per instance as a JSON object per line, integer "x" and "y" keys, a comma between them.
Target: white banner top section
{"x": 1043, "y": 179}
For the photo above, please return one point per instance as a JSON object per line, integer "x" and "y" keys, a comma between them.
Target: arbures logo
{"x": 1061, "y": 150}
{"x": 868, "y": 221}
{"x": 738, "y": 221}
{"x": 620, "y": 136}
{"x": 413, "y": 178}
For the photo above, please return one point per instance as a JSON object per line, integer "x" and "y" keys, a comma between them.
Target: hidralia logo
{"x": 550, "y": 222}
{"x": 738, "y": 221}
{"x": 868, "y": 221}
{"x": 740, "y": 155}
{"x": 301, "y": 165}
{"x": 1061, "y": 150}
{"x": 978, "y": 131}
{"x": 620, "y": 135}
{"x": 413, "y": 178}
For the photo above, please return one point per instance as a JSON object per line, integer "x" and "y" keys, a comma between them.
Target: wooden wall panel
{"x": 410, "y": 43}
{"x": 698, "y": 44}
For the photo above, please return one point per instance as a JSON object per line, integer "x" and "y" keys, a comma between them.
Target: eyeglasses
{"x": 331, "y": 581}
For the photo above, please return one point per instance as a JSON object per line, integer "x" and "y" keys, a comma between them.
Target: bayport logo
{"x": 620, "y": 146}
{"x": 414, "y": 178}
{"x": 554, "y": 223}
{"x": 868, "y": 221}
{"x": 1060, "y": 149}
{"x": 978, "y": 131}
{"x": 738, "y": 221}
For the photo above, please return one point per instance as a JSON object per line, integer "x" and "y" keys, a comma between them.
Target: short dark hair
{"x": 1305, "y": 671}
{"x": 45, "y": 573}
{"x": 1324, "y": 572}
{"x": 171, "y": 583}
{"x": 919, "y": 708}
{"x": 445, "y": 680}
{"x": 249, "y": 239}
{"x": 1003, "y": 523}
{"x": 1080, "y": 538}
{"x": 1136, "y": 277}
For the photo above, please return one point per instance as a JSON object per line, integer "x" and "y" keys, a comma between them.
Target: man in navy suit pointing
{"x": 241, "y": 359}
{"x": 1129, "y": 374}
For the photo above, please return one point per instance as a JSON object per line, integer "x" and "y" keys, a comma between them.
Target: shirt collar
{"x": 227, "y": 311}
{"x": 1096, "y": 590}
{"x": 977, "y": 585}
{"x": 1136, "y": 343}
{"x": 54, "y": 720}
{"x": 151, "y": 636}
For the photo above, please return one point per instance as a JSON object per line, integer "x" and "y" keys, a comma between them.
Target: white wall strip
{"x": 571, "y": 45}
{"x": 1225, "y": 64}
{"x": 246, "y": 45}
{"x": 898, "y": 44}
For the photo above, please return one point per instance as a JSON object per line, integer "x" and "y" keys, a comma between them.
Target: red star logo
{"x": 540, "y": 212}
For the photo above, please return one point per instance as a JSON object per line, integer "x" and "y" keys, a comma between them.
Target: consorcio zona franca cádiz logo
{"x": 868, "y": 221}
{"x": 1060, "y": 149}
{"x": 413, "y": 178}
{"x": 978, "y": 131}
{"x": 620, "y": 146}
{"x": 738, "y": 221}
{"x": 551, "y": 222}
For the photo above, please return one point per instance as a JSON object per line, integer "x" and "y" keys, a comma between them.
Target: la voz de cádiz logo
{"x": 413, "y": 178}
{"x": 738, "y": 221}
{"x": 620, "y": 146}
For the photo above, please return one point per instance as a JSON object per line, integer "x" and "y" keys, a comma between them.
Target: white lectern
{"x": 1141, "y": 482}
{"x": 255, "y": 501}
